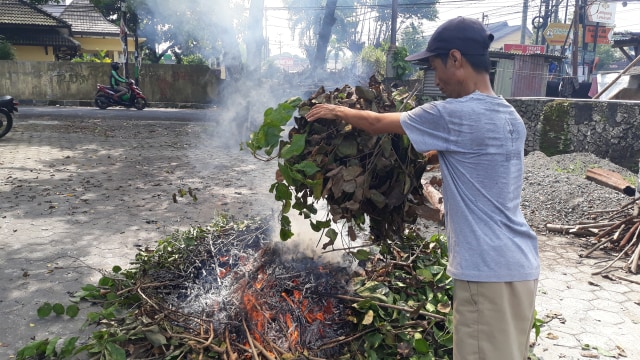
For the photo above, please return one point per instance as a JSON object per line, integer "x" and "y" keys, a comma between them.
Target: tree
{"x": 358, "y": 22}
{"x": 329, "y": 19}
{"x": 335, "y": 49}
{"x": 7, "y": 52}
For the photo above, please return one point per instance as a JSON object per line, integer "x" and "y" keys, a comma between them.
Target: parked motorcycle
{"x": 133, "y": 98}
{"x": 7, "y": 107}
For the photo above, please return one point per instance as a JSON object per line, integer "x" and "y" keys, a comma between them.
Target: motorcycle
{"x": 7, "y": 107}
{"x": 133, "y": 98}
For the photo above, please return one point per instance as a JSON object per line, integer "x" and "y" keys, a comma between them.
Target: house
{"x": 503, "y": 33}
{"x": 91, "y": 29}
{"x": 35, "y": 34}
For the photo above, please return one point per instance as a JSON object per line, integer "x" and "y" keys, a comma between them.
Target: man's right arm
{"x": 372, "y": 122}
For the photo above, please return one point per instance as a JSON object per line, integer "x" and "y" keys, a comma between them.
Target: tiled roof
{"x": 18, "y": 12}
{"x": 38, "y": 37}
{"x": 86, "y": 20}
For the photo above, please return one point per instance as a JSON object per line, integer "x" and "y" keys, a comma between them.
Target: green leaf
{"x": 421, "y": 345}
{"x": 58, "y": 309}
{"x": 282, "y": 192}
{"x": 317, "y": 226}
{"x": 361, "y": 254}
{"x": 374, "y": 339}
{"x": 68, "y": 347}
{"x": 116, "y": 269}
{"x": 332, "y": 234}
{"x": 308, "y": 167}
{"x": 425, "y": 274}
{"x": 45, "y": 310}
{"x": 156, "y": 338}
{"x": 115, "y": 352}
{"x": 51, "y": 347}
{"x": 294, "y": 148}
{"x": 285, "y": 228}
{"x": 72, "y": 310}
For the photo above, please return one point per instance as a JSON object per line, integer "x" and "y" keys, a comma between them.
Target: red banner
{"x": 604, "y": 34}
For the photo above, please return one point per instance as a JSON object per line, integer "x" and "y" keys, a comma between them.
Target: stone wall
{"x": 607, "y": 129}
{"x": 39, "y": 81}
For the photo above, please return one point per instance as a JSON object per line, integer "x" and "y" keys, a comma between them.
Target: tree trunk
{"x": 255, "y": 41}
{"x": 329, "y": 19}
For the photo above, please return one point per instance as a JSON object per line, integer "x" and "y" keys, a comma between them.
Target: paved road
{"x": 83, "y": 190}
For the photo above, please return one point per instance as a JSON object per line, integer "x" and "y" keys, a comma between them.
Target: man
{"x": 117, "y": 81}
{"x": 493, "y": 253}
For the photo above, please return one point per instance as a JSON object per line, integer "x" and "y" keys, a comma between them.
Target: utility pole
{"x": 523, "y": 25}
{"x": 123, "y": 38}
{"x": 576, "y": 39}
{"x": 392, "y": 45}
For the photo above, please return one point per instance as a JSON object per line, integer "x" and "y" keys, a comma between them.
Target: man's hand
{"x": 324, "y": 111}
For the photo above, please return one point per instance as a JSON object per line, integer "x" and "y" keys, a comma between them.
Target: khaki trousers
{"x": 492, "y": 321}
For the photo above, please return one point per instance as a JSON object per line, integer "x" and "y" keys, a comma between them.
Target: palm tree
{"x": 336, "y": 49}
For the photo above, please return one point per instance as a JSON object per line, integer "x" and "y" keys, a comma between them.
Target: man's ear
{"x": 456, "y": 57}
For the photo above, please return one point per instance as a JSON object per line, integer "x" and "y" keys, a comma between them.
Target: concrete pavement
{"x": 81, "y": 196}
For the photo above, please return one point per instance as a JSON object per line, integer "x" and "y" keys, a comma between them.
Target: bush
{"x": 7, "y": 52}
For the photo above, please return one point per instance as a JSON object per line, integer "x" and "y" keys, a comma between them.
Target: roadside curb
{"x": 89, "y": 103}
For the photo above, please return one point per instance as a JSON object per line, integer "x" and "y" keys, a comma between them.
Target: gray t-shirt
{"x": 480, "y": 143}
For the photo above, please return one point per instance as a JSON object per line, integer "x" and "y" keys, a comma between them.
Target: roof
{"x": 85, "y": 19}
{"x": 19, "y": 12}
{"x": 502, "y": 29}
{"x": 38, "y": 37}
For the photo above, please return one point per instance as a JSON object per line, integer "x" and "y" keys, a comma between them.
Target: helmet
{"x": 115, "y": 66}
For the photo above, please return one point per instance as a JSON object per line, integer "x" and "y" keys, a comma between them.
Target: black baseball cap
{"x": 469, "y": 36}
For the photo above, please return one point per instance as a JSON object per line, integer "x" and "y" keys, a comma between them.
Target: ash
{"x": 555, "y": 190}
{"x": 245, "y": 277}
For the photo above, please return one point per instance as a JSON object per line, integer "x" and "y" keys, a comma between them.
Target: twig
{"x": 145, "y": 285}
{"x": 622, "y": 208}
{"x": 395, "y": 307}
{"x": 614, "y": 260}
{"x": 250, "y": 339}
{"x": 342, "y": 339}
{"x": 625, "y": 279}
{"x": 606, "y": 232}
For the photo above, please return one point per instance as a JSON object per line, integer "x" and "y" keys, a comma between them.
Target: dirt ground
{"x": 79, "y": 196}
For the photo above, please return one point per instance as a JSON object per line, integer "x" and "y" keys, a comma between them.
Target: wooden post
{"x": 624, "y": 71}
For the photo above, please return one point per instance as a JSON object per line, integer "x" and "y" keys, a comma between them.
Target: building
{"x": 94, "y": 33}
{"x": 503, "y": 33}
{"x": 60, "y": 32}
{"x": 35, "y": 34}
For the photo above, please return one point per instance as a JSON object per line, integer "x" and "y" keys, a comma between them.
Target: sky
{"x": 495, "y": 10}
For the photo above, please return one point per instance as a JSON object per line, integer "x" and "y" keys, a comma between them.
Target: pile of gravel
{"x": 556, "y": 191}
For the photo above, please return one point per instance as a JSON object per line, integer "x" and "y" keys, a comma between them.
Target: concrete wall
{"x": 608, "y": 129}
{"x": 39, "y": 81}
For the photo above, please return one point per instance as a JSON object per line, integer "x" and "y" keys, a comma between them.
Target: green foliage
{"x": 100, "y": 57}
{"x": 195, "y": 59}
{"x": 7, "y": 52}
{"x": 415, "y": 280}
{"x": 374, "y": 59}
{"x": 401, "y": 67}
{"x": 554, "y": 135}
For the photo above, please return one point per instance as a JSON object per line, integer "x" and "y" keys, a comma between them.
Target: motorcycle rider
{"x": 117, "y": 81}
